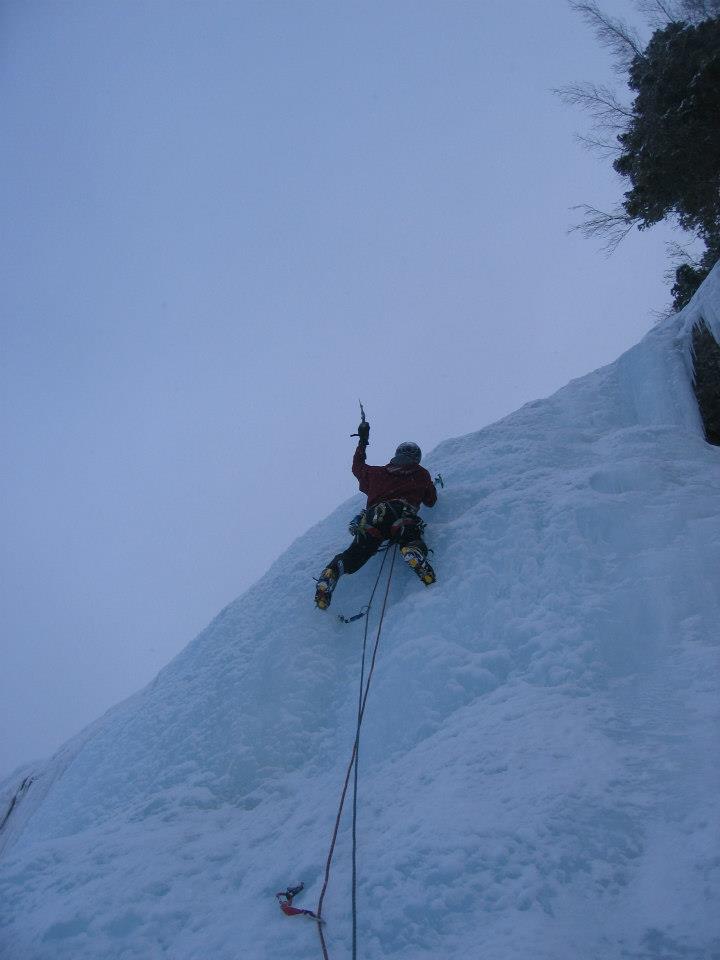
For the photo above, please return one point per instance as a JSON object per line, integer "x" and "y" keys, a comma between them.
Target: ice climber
{"x": 394, "y": 495}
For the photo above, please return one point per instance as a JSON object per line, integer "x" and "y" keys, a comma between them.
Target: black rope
{"x": 362, "y": 702}
{"x": 357, "y": 752}
{"x": 355, "y": 782}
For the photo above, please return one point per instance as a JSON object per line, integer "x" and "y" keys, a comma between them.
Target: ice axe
{"x": 362, "y": 420}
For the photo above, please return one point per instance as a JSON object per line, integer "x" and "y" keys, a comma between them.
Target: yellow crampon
{"x": 325, "y": 586}
{"x": 415, "y": 559}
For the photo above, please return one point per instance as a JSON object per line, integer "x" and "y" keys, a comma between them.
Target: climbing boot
{"x": 415, "y": 559}
{"x": 325, "y": 585}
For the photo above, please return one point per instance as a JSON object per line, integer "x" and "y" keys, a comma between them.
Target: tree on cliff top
{"x": 667, "y": 142}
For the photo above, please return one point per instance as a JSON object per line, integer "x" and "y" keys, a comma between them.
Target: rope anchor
{"x": 285, "y": 899}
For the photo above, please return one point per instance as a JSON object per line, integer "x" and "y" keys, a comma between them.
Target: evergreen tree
{"x": 671, "y": 148}
{"x": 667, "y": 143}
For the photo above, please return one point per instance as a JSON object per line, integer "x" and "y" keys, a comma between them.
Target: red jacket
{"x": 409, "y": 482}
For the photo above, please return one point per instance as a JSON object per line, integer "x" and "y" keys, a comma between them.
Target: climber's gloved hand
{"x": 363, "y": 433}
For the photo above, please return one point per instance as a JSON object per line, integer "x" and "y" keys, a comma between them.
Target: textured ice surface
{"x": 539, "y": 763}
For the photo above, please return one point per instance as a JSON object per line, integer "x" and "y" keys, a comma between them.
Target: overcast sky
{"x": 223, "y": 223}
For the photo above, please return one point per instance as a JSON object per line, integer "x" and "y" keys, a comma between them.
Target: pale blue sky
{"x": 223, "y": 223}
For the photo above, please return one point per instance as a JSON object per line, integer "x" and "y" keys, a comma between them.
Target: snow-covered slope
{"x": 539, "y": 764}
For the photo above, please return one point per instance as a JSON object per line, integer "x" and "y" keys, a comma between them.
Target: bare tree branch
{"x": 660, "y": 316}
{"x": 608, "y": 112}
{"x": 613, "y": 227}
{"x": 607, "y": 149}
{"x": 695, "y": 11}
{"x": 623, "y": 42}
{"x": 658, "y": 13}
{"x": 680, "y": 254}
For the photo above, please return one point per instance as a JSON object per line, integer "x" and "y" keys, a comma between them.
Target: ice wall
{"x": 538, "y": 763}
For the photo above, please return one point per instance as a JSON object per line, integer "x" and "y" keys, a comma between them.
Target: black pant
{"x": 392, "y": 520}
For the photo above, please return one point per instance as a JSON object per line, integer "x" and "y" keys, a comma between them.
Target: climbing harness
{"x": 364, "y": 690}
{"x": 403, "y": 514}
{"x": 366, "y": 524}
